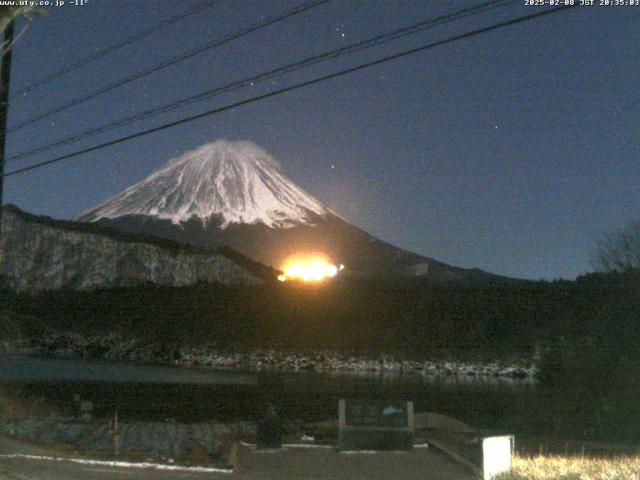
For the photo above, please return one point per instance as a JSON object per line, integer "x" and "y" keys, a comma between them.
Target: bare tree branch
{"x": 618, "y": 251}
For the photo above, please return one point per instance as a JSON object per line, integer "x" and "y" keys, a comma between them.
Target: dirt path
{"x": 292, "y": 462}
{"x": 329, "y": 464}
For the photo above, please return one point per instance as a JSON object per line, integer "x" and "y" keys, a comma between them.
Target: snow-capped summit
{"x": 234, "y": 194}
{"x": 235, "y": 182}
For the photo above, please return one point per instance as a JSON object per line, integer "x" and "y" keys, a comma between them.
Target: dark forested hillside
{"x": 349, "y": 315}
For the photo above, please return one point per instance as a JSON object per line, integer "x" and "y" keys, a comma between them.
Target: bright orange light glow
{"x": 309, "y": 269}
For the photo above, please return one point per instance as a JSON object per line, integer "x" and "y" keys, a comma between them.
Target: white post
{"x": 496, "y": 455}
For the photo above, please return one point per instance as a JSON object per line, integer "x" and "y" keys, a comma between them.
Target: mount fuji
{"x": 233, "y": 193}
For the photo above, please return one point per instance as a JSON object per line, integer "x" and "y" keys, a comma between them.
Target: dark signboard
{"x": 376, "y": 425}
{"x": 376, "y": 413}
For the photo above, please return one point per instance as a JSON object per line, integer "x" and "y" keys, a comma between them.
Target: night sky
{"x": 510, "y": 151}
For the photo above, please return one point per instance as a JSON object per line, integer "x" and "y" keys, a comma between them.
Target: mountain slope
{"x": 39, "y": 253}
{"x": 234, "y": 194}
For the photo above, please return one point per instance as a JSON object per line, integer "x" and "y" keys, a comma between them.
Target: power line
{"x": 172, "y": 61}
{"x": 116, "y": 46}
{"x": 348, "y": 49}
{"x": 290, "y": 88}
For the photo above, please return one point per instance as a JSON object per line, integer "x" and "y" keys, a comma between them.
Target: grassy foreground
{"x": 558, "y": 467}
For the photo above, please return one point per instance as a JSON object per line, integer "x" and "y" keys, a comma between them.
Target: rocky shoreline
{"x": 114, "y": 347}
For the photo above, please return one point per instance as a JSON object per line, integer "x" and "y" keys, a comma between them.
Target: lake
{"x": 196, "y": 394}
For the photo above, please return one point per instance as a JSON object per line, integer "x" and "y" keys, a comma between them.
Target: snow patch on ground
{"x": 119, "y": 464}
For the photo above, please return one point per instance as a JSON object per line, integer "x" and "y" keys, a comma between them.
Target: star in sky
{"x": 424, "y": 106}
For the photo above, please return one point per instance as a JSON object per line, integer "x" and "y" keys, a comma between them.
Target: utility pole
{"x": 5, "y": 72}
